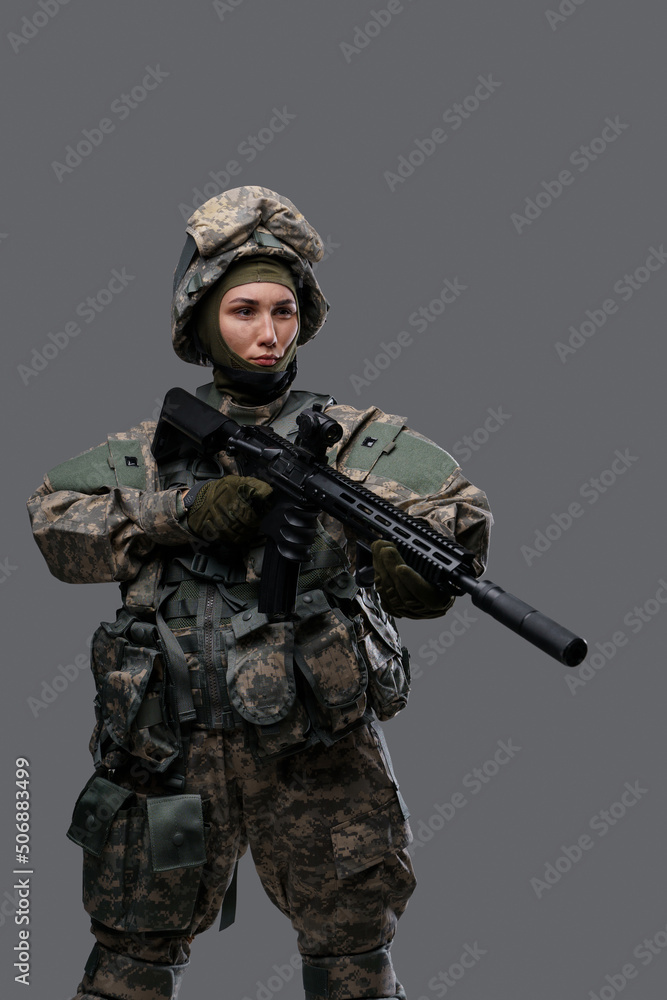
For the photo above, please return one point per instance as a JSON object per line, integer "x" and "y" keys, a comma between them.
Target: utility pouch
{"x": 145, "y": 869}
{"x": 123, "y": 690}
{"x": 260, "y": 669}
{"x": 325, "y": 651}
{"x": 250, "y": 693}
{"x": 291, "y": 735}
{"x": 296, "y": 681}
{"x": 388, "y": 662}
{"x": 130, "y": 677}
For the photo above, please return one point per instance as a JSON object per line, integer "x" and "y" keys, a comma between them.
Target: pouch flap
{"x": 94, "y": 813}
{"x": 247, "y": 621}
{"x": 176, "y": 827}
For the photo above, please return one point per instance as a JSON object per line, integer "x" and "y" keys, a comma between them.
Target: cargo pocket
{"x": 143, "y": 856}
{"x": 325, "y": 651}
{"x": 368, "y": 838}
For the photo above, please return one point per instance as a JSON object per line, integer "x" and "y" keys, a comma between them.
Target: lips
{"x": 267, "y": 360}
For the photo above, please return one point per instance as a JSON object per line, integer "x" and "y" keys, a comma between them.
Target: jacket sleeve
{"x": 419, "y": 477}
{"x": 91, "y": 528}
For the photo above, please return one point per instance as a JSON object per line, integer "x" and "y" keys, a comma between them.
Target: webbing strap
{"x": 321, "y": 559}
{"x": 184, "y": 608}
{"x": 92, "y": 961}
{"x": 228, "y": 909}
{"x": 315, "y": 982}
{"x": 190, "y": 643}
{"x": 149, "y": 714}
{"x": 187, "y": 253}
{"x": 176, "y": 662}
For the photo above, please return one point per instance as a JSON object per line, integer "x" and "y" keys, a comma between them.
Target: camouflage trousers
{"x": 328, "y": 836}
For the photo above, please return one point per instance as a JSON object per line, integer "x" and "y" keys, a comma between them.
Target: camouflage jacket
{"x": 102, "y": 517}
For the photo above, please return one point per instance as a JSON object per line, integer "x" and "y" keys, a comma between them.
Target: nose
{"x": 267, "y": 334}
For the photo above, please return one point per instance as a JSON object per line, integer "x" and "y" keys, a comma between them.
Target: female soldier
{"x": 219, "y": 726}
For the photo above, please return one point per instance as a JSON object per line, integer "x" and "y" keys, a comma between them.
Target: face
{"x": 259, "y": 321}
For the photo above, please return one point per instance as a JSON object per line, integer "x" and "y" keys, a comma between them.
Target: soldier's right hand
{"x": 228, "y": 510}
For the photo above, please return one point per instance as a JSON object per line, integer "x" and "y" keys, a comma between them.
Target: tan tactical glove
{"x": 228, "y": 510}
{"x": 404, "y": 593}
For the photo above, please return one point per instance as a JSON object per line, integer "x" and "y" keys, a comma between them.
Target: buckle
{"x": 199, "y": 563}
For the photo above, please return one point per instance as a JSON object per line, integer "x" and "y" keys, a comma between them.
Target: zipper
{"x": 209, "y": 665}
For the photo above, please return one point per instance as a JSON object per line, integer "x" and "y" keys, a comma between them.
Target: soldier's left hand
{"x": 404, "y": 593}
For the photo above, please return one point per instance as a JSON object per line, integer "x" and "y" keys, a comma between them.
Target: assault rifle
{"x": 305, "y": 486}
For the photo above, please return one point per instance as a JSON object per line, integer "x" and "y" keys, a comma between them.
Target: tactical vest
{"x": 212, "y": 659}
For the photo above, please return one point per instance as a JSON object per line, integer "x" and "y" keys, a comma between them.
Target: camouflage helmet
{"x": 241, "y": 222}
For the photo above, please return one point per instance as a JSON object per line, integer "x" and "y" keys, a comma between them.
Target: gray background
{"x": 494, "y": 347}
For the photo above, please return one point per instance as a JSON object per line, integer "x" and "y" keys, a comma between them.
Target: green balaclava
{"x": 248, "y": 383}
